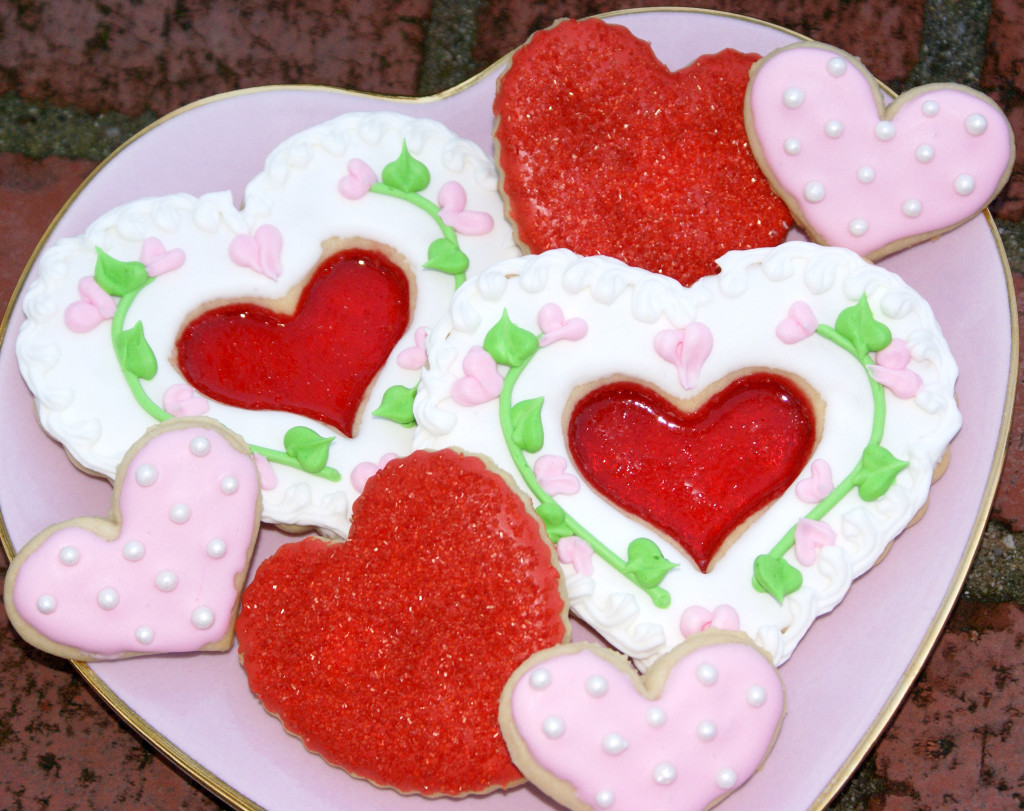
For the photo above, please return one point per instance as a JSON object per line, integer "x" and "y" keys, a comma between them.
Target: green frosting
{"x": 396, "y": 405}
{"x": 858, "y": 333}
{"x": 514, "y": 347}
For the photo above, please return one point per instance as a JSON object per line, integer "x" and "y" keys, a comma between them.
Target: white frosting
{"x": 81, "y": 395}
{"x": 624, "y": 310}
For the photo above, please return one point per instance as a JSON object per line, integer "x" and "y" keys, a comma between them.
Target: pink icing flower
{"x": 697, "y": 618}
{"x": 181, "y": 400}
{"x": 452, "y": 200}
{"x": 414, "y": 357}
{"x": 811, "y": 536}
{"x": 577, "y": 553}
{"x": 261, "y": 251}
{"x": 481, "y": 383}
{"x": 358, "y": 181}
{"x": 157, "y": 259}
{"x": 816, "y": 486}
{"x": 93, "y": 307}
{"x": 687, "y": 348}
{"x": 362, "y": 472}
{"x": 555, "y": 327}
{"x": 799, "y": 324}
{"x": 551, "y": 476}
{"x": 892, "y": 372}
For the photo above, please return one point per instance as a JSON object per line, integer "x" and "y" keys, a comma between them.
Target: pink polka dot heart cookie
{"x": 859, "y": 174}
{"x": 592, "y": 734}
{"x": 163, "y": 573}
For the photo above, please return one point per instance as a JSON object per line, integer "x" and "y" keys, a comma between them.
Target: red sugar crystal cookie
{"x": 604, "y": 150}
{"x": 696, "y": 475}
{"x": 317, "y": 361}
{"x": 387, "y": 653}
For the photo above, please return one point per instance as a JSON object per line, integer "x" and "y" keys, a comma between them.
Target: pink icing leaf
{"x": 364, "y": 471}
{"x": 157, "y": 259}
{"x": 554, "y": 326}
{"x": 452, "y": 200}
{"x": 810, "y": 536}
{"x": 903, "y": 383}
{"x": 576, "y": 552}
{"x": 799, "y": 324}
{"x": 181, "y": 400}
{"x": 551, "y": 476}
{"x": 260, "y": 252}
{"x": 414, "y": 357}
{"x": 816, "y": 486}
{"x": 268, "y": 478}
{"x": 94, "y": 307}
{"x": 696, "y": 618}
{"x": 358, "y": 181}
{"x": 481, "y": 383}
{"x": 687, "y": 348}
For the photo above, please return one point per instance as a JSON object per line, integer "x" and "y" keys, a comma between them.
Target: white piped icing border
{"x": 81, "y": 395}
{"x": 624, "y": 311}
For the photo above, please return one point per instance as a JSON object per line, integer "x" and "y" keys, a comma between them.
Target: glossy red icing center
{"x": 317, "y": 362}
{"x": 387, "y": 653}
{"x": 695, "y": 476}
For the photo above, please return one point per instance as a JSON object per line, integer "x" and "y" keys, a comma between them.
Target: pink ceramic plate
{"x": 846, "y": 678}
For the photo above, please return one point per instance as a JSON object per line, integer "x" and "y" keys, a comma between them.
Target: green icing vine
{"x": 304, "y": 449}
{"x": 521, "y": 427}
{"x": 858, "y": 333}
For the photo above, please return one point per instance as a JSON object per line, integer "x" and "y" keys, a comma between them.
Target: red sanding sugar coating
{"x": 317, "y": 362}
{"x": 696, "y": 476}
{"x": 605, "y": 151}
{"x": 387, "y": 653}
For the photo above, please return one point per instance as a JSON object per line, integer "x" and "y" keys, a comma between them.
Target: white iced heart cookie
{"x": 860, "y": 174}
{"x": 592, "y": 734}
{"x": 105, "y": 310}
{"x": 163, "y": 573}
{"x": 523, "y": 338}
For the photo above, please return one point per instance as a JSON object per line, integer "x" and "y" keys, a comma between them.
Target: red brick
{"x": 31, "y": 194}
{"x": 1003, "y": 78}
{"x": 886, "y": 36}
{"x": 126, "y": 56}
{"x": 1009, "y": 500}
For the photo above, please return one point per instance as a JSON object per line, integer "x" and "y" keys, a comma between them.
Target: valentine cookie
{"x": 733, "y": 454}
{"x": 591, "y": 733}
{"x": 297, "y": 319}
{"x": 604, "y": 150}
{"x": 387, "y": 653}
{"x": 161, "y": 574}
{"x": 866, "y": 173}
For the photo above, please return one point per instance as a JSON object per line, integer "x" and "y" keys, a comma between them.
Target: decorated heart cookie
{"x": 604, "y": 150}
{"x": 538, "y": 335}
{"x": 863, "y": 174}
{"x": 592, "y": 734}
{"x": 163, "y": 573}
{"x": 387, "y": 653}
{"x": 141, "y": 318}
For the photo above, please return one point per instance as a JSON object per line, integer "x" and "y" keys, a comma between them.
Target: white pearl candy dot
{"x": 792, "y": 146}
{"x": 180, "y": 513}
{"x": 166, "y": 580}
{"x": 726, "y": 778}
{"x": 858, "y": 227}
{"x": 963, "y": 185}
{"x": 108, "y": 598}
{"x": 885, "y": 130}
{"x": 924, "y": 153}
{"x": 707, "y": 674}
{"x": 833, "y": 128}
{"x": 793, "y": 97}
{"x": 706, "y": 731}
{"x": 930, "y": 108}
{"x": 604, "y": 799}
{"x": 553, "y": 726}
{"x": 656, "y": 717}
{"x": 911, "y": 207}
{"x": 229, "y": 485}
{"x": 976, "y": 124}
{"x": 216, "y": 548}
{"x": 814, "y": 191}
{"x": 836, "y": 66}
{"x": 200, "y": 446}
{"x": 597, "y": 686}
{"x": 46, "y": 604}
{"x": 866, "y": 174}
{"x": 133, "y": 550}
{"x": 756, "y": 695}
{"x": 144, "y": 635}
{"x": 665, "y": 774}
{"x": 202, "y": 618}
{"x": 614, "y": 744}
{"x": 540, "y": 678}
{"x": 146, "y": 475}
{"x": 69, "y": 555}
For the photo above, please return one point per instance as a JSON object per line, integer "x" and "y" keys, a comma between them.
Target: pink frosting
{"x": 864, "y": 179}
{"x": 260, "y": 252}
{"x": 556, "y": 327}
{"x": 687, "y": 348}
{"x": 452, "y": 201}
{"x": 583, "y": 720}
{"x": 482, "y": 381}
{"x": 809, "y": 537}
{"x": 167, "y": 581}
{"x": 816, "y": 486}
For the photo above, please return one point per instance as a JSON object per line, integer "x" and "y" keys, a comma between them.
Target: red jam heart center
{"x": 604, "y": 150}
{"x": 318, "y": 361}
{"x": 387, "y": 653}
{"x": 696, "y": 476}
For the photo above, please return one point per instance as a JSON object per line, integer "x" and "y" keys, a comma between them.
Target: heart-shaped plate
{"x": 198, "y": 709}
